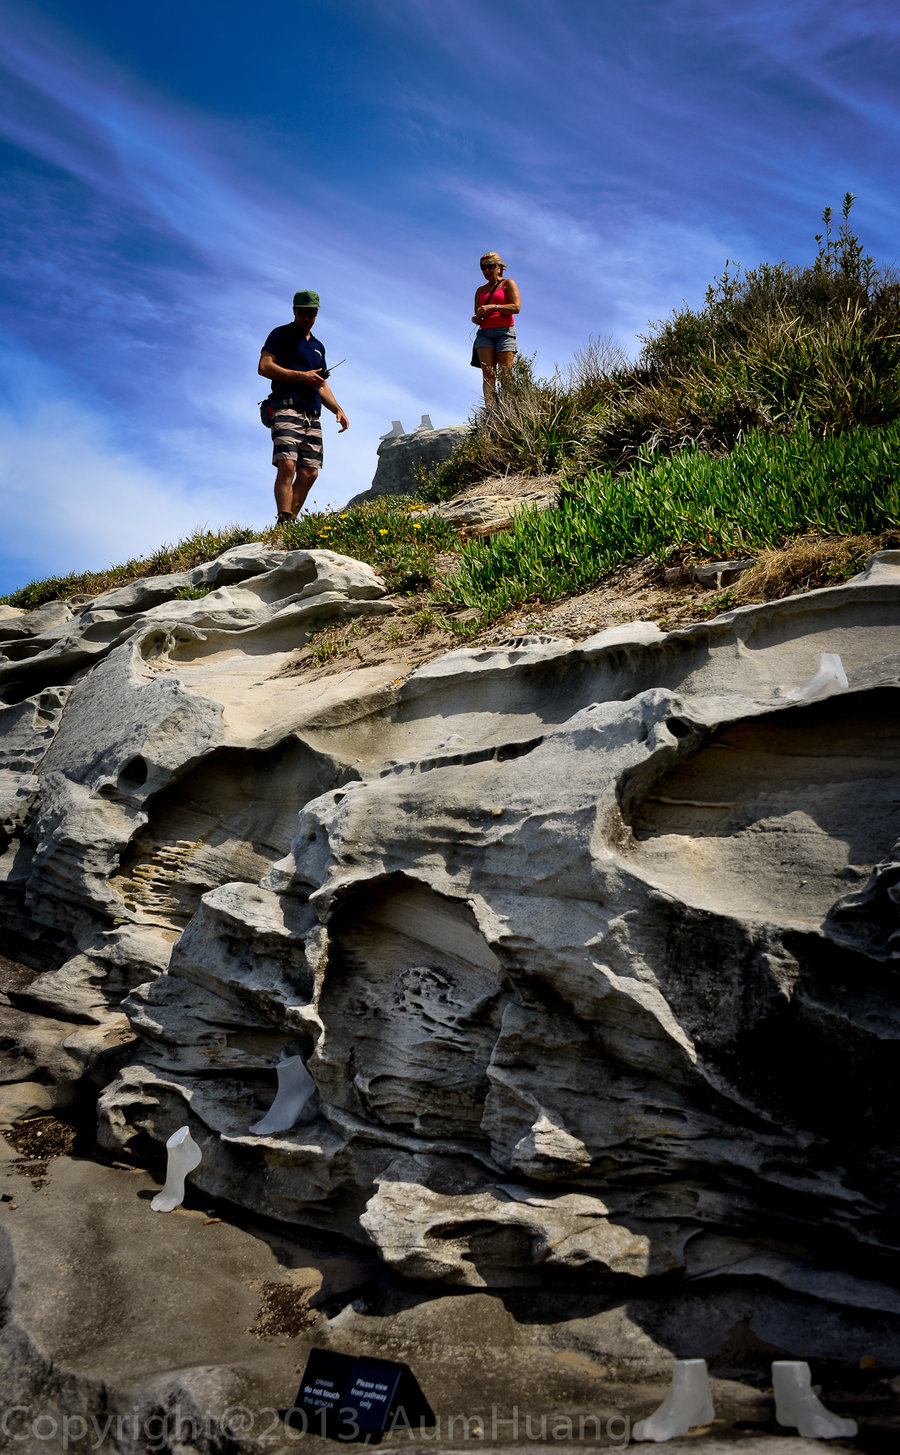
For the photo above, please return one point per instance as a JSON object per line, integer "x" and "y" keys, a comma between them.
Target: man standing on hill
{"x": 295, "y": 363}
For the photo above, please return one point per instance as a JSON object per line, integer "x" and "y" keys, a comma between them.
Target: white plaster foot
{"x": 688, "y": 1403}
{"x": 828, "y": 677}
{"x": 184, "y": 1156}
{"x": 295, "y": 1087}
{"x": 797, "y": 1404}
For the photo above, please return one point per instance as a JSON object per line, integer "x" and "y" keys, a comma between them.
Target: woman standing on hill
{"x": 496, "y": 302}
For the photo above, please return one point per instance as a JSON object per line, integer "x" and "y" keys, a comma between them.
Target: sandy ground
{"x": 414, "y": 634}
{"x": 121, "y": 1305}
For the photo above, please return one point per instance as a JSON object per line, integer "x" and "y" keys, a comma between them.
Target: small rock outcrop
{"x": 399, "y": 455}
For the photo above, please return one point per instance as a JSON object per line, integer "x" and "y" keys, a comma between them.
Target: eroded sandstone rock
{"x": 589, "y": 949}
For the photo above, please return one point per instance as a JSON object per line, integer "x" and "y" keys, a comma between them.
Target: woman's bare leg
{"x": 488, "y": 375}
{"x": 504, "y": 364}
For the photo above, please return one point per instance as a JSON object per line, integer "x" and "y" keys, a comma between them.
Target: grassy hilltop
{"x": 769, "y": 416}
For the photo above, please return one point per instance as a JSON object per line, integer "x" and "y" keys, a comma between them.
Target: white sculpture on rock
{"x": 828, "y": 677}
{"x": 395, "y": 430}
{"x": 184, "y": 1156}
{"x": 797, "y": 1404}
{"x": 688, "y": 1403}
{"x": 295, "y": 1087}
{"x": 424, "y": 423}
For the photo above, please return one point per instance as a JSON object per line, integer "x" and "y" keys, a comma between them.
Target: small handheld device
{"x": 326, "y": 372}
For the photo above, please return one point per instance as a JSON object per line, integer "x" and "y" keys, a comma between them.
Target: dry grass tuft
{"x": 807, "y": 563}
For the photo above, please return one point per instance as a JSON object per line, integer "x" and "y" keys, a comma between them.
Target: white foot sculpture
{"x": 797, "y": 1404}
{"x": 184, "y": 1156}
{"x": 295, "y": 1087}
{"x": 688, "y": 1403}
{"x": 828, "y": 677}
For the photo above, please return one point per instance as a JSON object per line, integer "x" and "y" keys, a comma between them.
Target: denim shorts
{"x": 501, "y": 340}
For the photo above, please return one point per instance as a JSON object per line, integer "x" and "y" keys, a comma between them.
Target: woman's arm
{"x": 513, "y": 303}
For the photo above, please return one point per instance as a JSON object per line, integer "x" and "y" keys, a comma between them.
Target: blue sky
{"x": 173, "y": 172}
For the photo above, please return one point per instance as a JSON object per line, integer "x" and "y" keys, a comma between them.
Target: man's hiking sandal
{"x": 285, "y": 518}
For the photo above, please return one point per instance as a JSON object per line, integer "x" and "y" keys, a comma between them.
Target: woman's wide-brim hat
{"x": 492, "y": 258}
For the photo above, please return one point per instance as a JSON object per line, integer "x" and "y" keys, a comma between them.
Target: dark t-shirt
{"x": 293, "y": 350}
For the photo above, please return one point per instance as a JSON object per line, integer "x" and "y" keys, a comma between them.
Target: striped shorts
{"x": 296, "y": 436}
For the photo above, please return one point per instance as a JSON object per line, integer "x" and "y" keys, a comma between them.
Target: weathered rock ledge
{"x": 590, "y": 949}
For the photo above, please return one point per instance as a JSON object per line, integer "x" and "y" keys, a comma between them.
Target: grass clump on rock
{"x": 695, "y": 505}
{"x": 771, "y": 413}
{"x": 203, "y": 545}
{"x": 391, "y": 534}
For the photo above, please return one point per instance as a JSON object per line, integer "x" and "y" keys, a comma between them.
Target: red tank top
{"x": 497, "y": 319}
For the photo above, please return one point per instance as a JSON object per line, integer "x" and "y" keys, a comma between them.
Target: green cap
{"x": 306, "y": 298}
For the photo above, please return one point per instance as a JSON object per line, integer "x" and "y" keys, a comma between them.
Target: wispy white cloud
{"x": 751, "y": 110}
{"x": 833, "y": 69}
{"x": 74, "y": 494}
{"x": 162, "y": 267}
